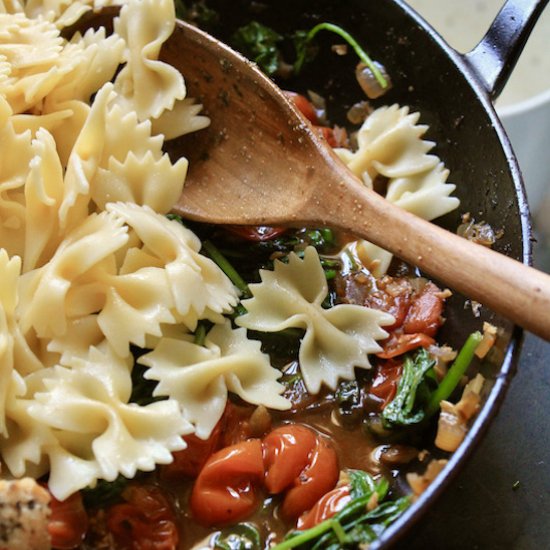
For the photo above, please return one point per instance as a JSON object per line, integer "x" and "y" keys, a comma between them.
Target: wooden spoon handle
{"x": 508, "y": 287}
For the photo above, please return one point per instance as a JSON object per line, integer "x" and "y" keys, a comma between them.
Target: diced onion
{"x": 368, "y": 81}
{"x": 419, "y": 483}
{"x": 488, "y": 341}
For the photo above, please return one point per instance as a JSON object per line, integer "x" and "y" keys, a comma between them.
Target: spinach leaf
{"x": 259, "y": 43}
{"x": 197, "y": 12}
{"x": 354, "y": 525}
{"x": 105, "y": 492}
{"x": 403, "y": 409}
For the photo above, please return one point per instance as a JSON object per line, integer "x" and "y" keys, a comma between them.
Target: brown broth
{"x": 353, "y": 445}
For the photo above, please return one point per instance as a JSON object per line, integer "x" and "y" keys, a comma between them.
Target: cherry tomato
{"x": 189, "y": 461}
{"x": 287, "y": 452}
{"x": 316, "y": 479}
{"x": 424, "y": 314}
{"x": 400, "y": 343}
{"x": 396, "y": 302}
{"x": 226, "y": 490}
{"x": 145, "y": 521}
{"x": 326, "y": 507}
{"x": 303, "y": 105}
{"x": 255, "y": 233}
{"x": 68, "y": 522}
{"x": 384, "y": 385}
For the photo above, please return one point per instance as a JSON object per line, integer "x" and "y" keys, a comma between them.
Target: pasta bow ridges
{"x": 425, "y": 194}
{"x": 91, "y": 61}
{"x": 182, "y": 119}
{"x": 150, "y": 86}
{"x": 199, "y": 378}
{"x": 156, "y": 183}
{"x": 28, "y": 44}
{"x": 128, "y": 134}
{"x": 336, "y": 340}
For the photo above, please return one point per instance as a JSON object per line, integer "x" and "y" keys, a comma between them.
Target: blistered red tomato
{"x": 68, "y": 522}
{"x": 316, "y": 479}
{"x": 384, "y": 385}
{"x": 227, "y": 488}
{"x": 145, "y": 521}
{"x": 326, "y": 507}
{"x": 424, "y": 314}
{"x": 287, "y": 451}
{"x": 400, "y": 343}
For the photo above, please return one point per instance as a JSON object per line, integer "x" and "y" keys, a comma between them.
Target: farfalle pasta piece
{"x": 43, "y": 196}
{"x": 136, "y": 306}
{"x": 336, "y": 340}
{"x": 195, "y": 281}
{"x": 424, "y": 194}
{"x": 132, "y": 268}
{"x": 15, "y": 156}
{"x": 83, "y": 162}
{"x": 145, "y": 84}
{"x": 199, "y": 378}
{"x": 390, "y": 144}
{"x": 47, "y": 289}
{"x": 93, "y": 59}
{"x": 90, "y": 431}
{"x": 33, "y": 49}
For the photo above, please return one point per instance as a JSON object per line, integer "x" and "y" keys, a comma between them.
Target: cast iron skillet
{"x": 453, "y": 93}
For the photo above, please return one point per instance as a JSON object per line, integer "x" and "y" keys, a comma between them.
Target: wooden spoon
{"x": 259, "y": 163}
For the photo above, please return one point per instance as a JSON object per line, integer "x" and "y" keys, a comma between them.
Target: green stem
{"x": 354, "y": 44}
{"x": 200, "y": 334}
{"x": 226, "y": 267}
{"x": 313, "y": 533}
{"x": 454, "y": 374}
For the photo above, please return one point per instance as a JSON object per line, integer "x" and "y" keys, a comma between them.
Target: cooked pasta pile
{"x": 91, "y": 266}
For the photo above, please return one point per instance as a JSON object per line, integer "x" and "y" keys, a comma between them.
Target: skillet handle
{"x": 496, "y": 55}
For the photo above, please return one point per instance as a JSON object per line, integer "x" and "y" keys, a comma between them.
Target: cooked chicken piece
{"x": 24, "y": 512}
